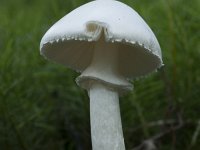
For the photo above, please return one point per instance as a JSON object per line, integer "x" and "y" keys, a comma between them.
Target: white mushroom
{"x": 109, "y": 43}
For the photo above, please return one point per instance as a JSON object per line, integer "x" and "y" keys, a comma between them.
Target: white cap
{"x": 69, "y": 41}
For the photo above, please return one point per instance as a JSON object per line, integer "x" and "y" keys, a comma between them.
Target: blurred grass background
{"x": 41, "y": 107}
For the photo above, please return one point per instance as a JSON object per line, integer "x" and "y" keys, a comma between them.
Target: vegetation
{"x": 41, "y": 107}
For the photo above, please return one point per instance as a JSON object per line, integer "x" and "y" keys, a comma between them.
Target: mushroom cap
{"x": 71, "y": 40}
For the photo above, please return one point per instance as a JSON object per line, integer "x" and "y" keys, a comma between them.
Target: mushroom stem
{"x": 106, "y": 127}
{"x": 103, "y": 81}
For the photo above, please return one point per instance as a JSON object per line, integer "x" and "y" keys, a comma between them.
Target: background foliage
{"x": 41, "y": 107}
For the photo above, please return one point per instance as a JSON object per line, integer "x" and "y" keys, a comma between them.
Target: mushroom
{"x": 109, "y": 43}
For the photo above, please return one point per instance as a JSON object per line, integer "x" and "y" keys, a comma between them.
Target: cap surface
{"x": 71, "y": 40}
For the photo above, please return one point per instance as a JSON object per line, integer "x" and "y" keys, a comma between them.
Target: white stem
{"x": 106, "y": 128}
{"x": 99, "y": 78}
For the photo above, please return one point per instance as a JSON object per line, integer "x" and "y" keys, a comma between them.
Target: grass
{"x": 41, "y": 107}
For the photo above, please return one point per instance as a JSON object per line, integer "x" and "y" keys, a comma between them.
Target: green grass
{"x": 41, "y": 107}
